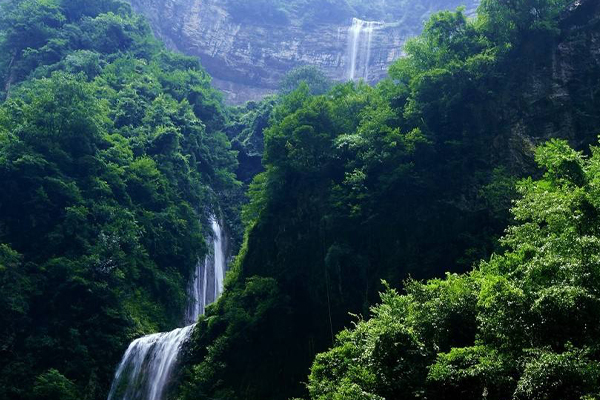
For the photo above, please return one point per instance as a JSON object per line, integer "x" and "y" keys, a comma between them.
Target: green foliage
{"x": 507, "y": 20}
{"x": 316, "y": 80}
{"x": 414, "y": 177}
{"x": 246, "y": 131}
{"x": 232, "y": 327}
{"x": 112, "y": 148}
{"x": 568, "y": 375}
{"x": 111, "y": 153}
{"x": 530, "y": 313}
{"x": 53, "y": 386}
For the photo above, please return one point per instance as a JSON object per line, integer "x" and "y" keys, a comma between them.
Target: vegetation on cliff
{"x": 110, "y": 148}
{"x": 522, "y": 325}
{"x": 412, "y": 178}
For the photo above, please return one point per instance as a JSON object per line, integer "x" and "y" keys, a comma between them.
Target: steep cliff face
{"x": 248, "y": 56}
{"x": 558, "y": 95}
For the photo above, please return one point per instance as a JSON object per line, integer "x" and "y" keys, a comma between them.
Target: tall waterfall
{"x": 360, "y": 39}
{"x": 146, "y": 367}
{"x": 207, "y": 284}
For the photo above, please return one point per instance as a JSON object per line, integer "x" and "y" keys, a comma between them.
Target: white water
{"x": 146, "y": 367}
{"x": 207, "y": 284}
{"x": 360, "y": 39}
{"x": 144, "y": 371}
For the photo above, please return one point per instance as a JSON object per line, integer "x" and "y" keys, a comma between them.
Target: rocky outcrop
{"x": 555, "y": 89}
{"x": 247, "y": 58}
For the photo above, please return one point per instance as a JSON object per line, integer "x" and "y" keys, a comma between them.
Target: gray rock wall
{"x": 558, "y": 96}
{"x": 248, "y": 59}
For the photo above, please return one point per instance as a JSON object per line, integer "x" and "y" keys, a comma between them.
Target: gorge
{"x": 431, "y": 236}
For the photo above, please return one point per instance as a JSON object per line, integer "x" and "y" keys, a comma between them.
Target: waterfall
{"x": 207, "y": 283}
{"x": 144, "y": 371}
{"x": 146, "y": 367}
{"x": 360, "y": 38}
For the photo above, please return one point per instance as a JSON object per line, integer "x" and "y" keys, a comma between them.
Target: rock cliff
{"x": 248, "y": 56}
{"x": 557, "y": 96}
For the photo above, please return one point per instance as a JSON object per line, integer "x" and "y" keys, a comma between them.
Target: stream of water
{"x": 360, "y": 39}
{"x": 148, "y": 363}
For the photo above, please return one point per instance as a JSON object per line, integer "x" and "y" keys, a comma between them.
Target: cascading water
{"x": 145, "y": 369}
{"x": 147, "y": 364}
{"x": 360, "y": 39}
{"x": 207, "y": 284}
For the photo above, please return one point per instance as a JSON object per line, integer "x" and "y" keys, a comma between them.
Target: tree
{"x": 110, "y": 156}
{"x": 27, "y": 24}
{"x": 52, "y": 385}
{"x": 522, "y": 325}
{"x": 316, "y": 80}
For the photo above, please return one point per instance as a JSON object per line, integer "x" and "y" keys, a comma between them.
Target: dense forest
{"x": 432, "y": 237}
{"x": 111, "y": 152}
{"x": 522, "y": 325}
{"x": 413, "y": 178}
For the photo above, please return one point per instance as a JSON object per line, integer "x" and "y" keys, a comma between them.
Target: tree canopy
{"x": 114, "y": 151}
{"x": 522, "y": 325}
{"x": 111, "y": 155}
{"x": 411, "y": 178}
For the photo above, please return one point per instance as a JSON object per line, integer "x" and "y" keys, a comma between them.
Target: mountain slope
{"x": 110, "y": 156}
{"x": 522, "y": 325}
{"x": 414, "y": 177}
